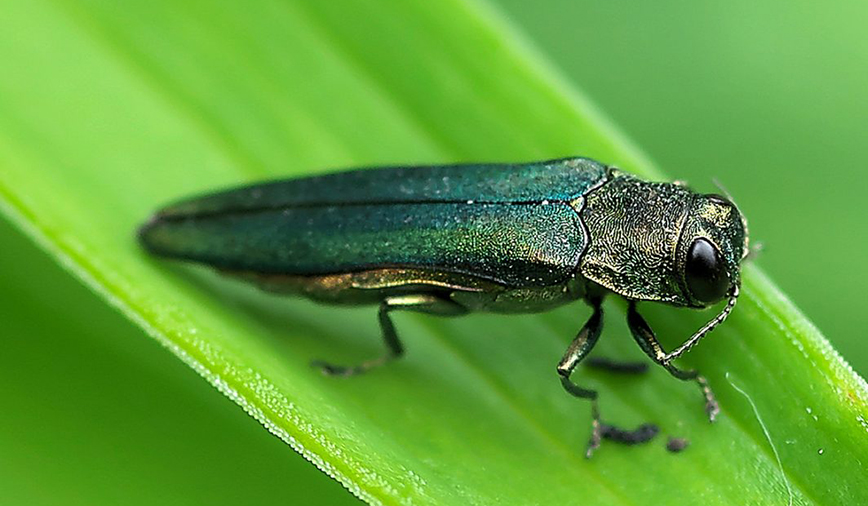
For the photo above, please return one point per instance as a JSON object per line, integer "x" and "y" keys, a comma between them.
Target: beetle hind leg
{"x": 578, "y": 350}
{"x": 425, "y": 303}
{"x": 648, "y": 342}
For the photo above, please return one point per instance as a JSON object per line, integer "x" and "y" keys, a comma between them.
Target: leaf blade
{"x": 225, "y": 123}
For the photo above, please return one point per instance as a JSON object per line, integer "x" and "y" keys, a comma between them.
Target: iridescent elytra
{"x": 451, "y": 239}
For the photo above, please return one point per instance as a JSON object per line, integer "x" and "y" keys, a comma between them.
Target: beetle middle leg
{"x": 651, "y": 346}
{"x": 578, "y": 350}
{"x": 424, "y": 303}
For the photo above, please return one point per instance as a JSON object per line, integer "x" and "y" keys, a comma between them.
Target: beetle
{"x": 452, "y": 239}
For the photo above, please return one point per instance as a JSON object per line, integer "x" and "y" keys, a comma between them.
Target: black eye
{"x": 705, "y": 272}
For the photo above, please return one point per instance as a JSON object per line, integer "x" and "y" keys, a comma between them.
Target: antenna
{"x": 708, "y": 327}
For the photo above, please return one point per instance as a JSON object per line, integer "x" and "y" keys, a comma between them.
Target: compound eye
{"x": 705, "y": 272}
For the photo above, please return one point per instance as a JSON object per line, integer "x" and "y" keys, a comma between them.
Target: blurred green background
{"x": 769, "y": 97}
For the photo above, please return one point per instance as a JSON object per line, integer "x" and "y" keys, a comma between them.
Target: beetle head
{"x": 713, "y": 242}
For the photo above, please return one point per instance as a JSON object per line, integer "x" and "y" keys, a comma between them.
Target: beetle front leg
{"x": 578, "y": 350}
{"x": 430, "y": 304}
{"x": 643, "y": 335}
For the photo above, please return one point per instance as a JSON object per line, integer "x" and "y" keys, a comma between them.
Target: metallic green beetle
{"x": 452, "y": 239}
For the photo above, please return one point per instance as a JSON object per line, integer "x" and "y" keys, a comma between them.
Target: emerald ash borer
{"x": 451, "y": 239}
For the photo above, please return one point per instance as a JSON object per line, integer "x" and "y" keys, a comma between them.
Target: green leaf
{"x": 109, "y": 109}
{"x": 95, "y": 414}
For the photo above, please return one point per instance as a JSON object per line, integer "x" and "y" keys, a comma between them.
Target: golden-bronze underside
{"x": 372, "y": 286}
